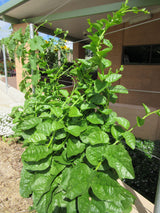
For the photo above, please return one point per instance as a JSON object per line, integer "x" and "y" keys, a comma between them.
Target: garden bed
{"x": 10, "y": 167}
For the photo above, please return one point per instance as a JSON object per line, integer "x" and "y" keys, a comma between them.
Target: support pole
{"x": 31, "y": 26}
{"x": 157, "y": 199}
{"x": 5, "y": 67}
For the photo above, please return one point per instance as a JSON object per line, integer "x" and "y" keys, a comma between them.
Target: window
{"x": 144, "y": 54}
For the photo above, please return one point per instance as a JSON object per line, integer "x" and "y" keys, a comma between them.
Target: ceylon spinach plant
{"x": 74, "y": 142}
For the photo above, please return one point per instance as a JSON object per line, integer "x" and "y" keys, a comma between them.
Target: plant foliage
{"x": 74, "y": 151}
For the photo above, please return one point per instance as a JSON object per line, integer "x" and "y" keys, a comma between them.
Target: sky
{"x": 4, "y": 27}
{"x": 3, "y": 1}
{"x": 5, "y": 30}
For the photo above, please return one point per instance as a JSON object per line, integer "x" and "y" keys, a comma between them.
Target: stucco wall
{"x": 139, "y": 77}
{"x": 151, "y": 128}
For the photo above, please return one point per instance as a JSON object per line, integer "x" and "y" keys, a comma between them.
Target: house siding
{"x": 137, "y": 77}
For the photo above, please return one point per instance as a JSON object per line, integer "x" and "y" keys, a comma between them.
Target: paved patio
{"x": 9, "y": 97}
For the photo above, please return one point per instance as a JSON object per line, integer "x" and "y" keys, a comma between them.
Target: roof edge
{"x": 10, "y": 5}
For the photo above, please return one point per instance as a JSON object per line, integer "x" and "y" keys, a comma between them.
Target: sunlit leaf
{"x": 74, "y": 112}
{"x": 119, "y": 159}
{"x": 94, "y": 135}
{"x": 130, "y": 139}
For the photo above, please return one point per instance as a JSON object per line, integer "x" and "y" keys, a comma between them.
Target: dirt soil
{"x": 10, "y": 168}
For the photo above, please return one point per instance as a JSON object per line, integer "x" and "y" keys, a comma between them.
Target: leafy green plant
{"x": 10, "y": 67}
{"x": 38, "y": 57}
{"x": 75, "y": 151}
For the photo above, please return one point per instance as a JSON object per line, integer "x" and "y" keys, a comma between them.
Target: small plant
{"x": 74, "y": 142}
{"x": 10, "y": 67}
{"x": 6, "y": 125}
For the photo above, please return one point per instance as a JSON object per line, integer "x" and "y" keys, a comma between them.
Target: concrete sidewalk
{"x": 9, "y": 98}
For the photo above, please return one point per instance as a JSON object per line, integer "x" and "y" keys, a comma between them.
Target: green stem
{"x": 144, "y": 117}
{"x": 50, "y": 142}
{"x": 117, "y": 141}
{"x": 98, "y": 166}
{"x": 151, "y": 113}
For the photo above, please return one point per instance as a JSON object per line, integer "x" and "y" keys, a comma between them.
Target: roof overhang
{"x": 69, "y": 15}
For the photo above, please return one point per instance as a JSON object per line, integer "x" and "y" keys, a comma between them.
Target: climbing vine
{"x": 74, "y": 141}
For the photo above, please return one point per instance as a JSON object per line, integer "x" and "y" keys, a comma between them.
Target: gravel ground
{"x": 10, "y": 168}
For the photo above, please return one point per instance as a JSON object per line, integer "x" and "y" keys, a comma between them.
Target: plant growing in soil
{"x": 75, "y": 151}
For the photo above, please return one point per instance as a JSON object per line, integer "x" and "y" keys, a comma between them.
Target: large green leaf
{"x": 45, "y": 128}
{"x": 128, "y": 201}
{"x": 119, "y": 159}
{"x": 30, "y": 123}
{"x": 130, "y": 139}
{"x": 114, "y": 206}
{"x": 79, "y": 181}
{"x": 113, "y": 77}
{"x": 36, "y": 43}
{"x": 99, "y": 86}
{"x": 58, "y": 204}
{"x": 56, "y": 125}
{"x": 117, "y": 131}
{"x": 41, "y": 185}
{"x": 38, "y": 166}
{"x": 124, "y": 205}
{"x": 26, "y": 182}
{"x": 60, "y": 134}
{"x": 119, "y": 89}
{"x": 57, "y": 111}
{"x": 45, "y": 115}
{"x": 106, "y": 62}
{"x": 103, "y": 53}
{"x": 95, "y": 118}
{"x": 58, "y": 146}
{"x": 64, "y": 92}
{"x": 36, "y": 153}
{"x": 94, "y": 135}
{"x": 37, "y": 137}
{"x": 86, "y": 106}
{"x": 94, "y": 154}
{"x": 107, "y": 43}
{"x": 66, "y": 174}
{"x": 87, "y": 204}
{"x": 56, "y": 168}
{"x": 71, "y": 206}
{"x": 98, "y": 99}
{"x": 74, "y": 147}
{"x": 74, "y": 112}
{"x": 106, "y": 111}
{"x": 45, "y": 200}
{"x": 123, "y": 122}
{"x": 62, "y": 159}
{"x": 75, "y": 130}
{"x": 106, "y": 188}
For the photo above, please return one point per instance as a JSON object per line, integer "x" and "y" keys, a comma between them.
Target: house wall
{"x": 138, "y": 77}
